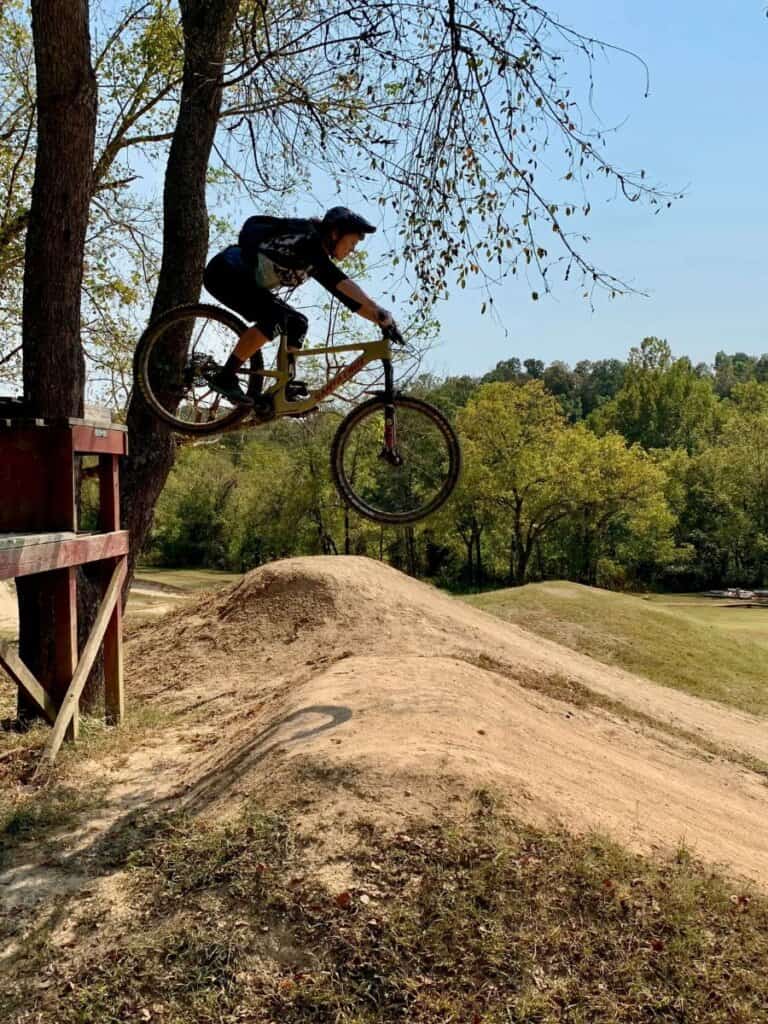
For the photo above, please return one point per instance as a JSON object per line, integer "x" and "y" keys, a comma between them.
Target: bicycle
{"x": 394, "y": 459}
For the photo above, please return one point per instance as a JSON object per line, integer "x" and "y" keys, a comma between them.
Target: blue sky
{"x": 703, "y": 262}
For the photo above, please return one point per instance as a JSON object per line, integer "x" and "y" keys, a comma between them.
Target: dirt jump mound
{"x": 342, "y": 687}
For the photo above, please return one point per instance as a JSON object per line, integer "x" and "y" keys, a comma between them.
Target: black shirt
{"x": 284, "y": 252}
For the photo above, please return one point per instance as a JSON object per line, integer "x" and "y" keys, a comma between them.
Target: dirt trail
{"x": 343, "y": 690}
{"x": 405, "y": 700}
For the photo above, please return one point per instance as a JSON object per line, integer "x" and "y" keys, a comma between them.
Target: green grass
{"x": 188, "y": 580}
{"x": 739, "y": 618}
{"x": 488, "y": 923}
{"x": 684, "y": 643}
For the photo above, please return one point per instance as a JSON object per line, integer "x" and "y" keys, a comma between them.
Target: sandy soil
{"x": 343, "y": 668}
{"x": 343, "y": 690}
{"x": 8, "y": 610}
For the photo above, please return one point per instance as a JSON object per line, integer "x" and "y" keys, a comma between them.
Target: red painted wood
{"x": 37, "y": 481}
{"x": 99, "y": 440}
{"x": 114, "y": 697}
{"x": 109, "y": 493}
{"x": 63, "y": 584}
{"x": 34, "y": 558}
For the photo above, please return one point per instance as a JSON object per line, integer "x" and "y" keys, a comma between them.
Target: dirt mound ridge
{"x": 346, "y": 689}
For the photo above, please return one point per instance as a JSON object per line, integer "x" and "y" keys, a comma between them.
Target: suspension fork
{"x": 389, "y": 451}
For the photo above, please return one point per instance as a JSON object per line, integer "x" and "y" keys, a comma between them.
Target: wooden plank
{"x": 109, "y": 493}
{"x": 39, "y": 474}
{"x": 98, "y": 440}
{"x": 114, "y": 689}
{"x": 13, "y": 541}
{"x": 63, "y": 583}
{"x": 82, "y": 548}
{"x": 22, "y": 677}
{"x": 79, "y": 679}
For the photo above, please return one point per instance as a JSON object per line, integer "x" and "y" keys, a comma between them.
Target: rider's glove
{"x": 392, "y": 332}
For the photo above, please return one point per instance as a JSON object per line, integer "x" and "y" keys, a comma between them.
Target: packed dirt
{"x": 8, "y": 610}
{"x": 338, "y": 690}
{"x": 351, "y": 690}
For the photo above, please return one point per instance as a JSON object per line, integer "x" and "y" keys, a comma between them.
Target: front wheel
{"x": 396, "y": 480}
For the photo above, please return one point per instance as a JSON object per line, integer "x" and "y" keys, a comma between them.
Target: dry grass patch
{"x": 489, "y": 923}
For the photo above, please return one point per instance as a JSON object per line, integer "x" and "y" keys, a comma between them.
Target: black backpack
{"x": 260, "y": 229}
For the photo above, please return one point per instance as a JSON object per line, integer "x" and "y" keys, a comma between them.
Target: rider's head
{"x": 342, "y": 230}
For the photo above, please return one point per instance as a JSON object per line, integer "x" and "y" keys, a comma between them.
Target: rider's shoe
{"x": 228, "y": 385}
{"x": 296, "y": 389}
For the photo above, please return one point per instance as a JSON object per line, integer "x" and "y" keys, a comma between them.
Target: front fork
{"x": 389, "y": 451}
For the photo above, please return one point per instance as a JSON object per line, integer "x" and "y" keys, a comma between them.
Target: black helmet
{"x": 344, "y": 220}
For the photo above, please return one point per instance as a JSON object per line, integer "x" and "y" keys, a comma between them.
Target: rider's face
{"x": 345, "y": 244}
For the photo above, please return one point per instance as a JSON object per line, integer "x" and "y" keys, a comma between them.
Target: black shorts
{"x": 230, "y": 281}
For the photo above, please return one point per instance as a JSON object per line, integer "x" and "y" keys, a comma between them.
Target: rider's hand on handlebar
{"x": 392, "y": 332}
{"x": 389, "y": 328}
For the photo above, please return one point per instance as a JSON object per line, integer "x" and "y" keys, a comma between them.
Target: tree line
{"x": 440, "y": 117}
{"x": 647, "y": 472}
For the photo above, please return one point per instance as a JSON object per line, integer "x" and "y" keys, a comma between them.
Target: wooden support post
{"x": 109, "y": 493}
{"x": 109, "y": 520}
{"x": 79, "y": 679}
{"x": 64, "y": 587}
{"x": 23, "y": 678}
{"x": 114, "y": 690}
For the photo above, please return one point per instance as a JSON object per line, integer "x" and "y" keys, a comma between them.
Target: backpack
{"x": 260, "y": 229}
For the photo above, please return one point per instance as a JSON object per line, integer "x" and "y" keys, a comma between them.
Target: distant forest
{"x": 645, "y": 473}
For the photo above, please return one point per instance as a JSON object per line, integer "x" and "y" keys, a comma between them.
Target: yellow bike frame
{"x": 370, "y": 351}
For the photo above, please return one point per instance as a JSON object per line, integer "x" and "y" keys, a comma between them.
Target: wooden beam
{"x": 63, "y": 584}
{"x": 31, "y": 557}
{"x": 88, "y": 439}
{"x": 109, "y": 493}
{"x": 22, "y": 677}
{"x": 114, "y": 690}
{"x": 87, "y": 658}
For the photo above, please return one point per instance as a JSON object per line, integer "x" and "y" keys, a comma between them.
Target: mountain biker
{"x": 275, "y": 252}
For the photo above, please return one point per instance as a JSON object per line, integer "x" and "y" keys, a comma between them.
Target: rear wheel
{"x": 177, "y": 353}
{"x": 400, "y": 486}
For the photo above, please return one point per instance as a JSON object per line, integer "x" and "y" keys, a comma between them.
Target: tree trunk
{"x": 410, "y": 549}
{"x": 470, "y": 566}
{"x": 478, "y": 556}
{"x": 54, "y": 366}
{"x": 207, "y": 27}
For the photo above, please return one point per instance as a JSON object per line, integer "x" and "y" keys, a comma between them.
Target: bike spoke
{"x": 399, "y": 492}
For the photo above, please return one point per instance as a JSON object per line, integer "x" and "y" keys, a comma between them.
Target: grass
{"x": 35, "y": 807}
{"x": 488, "y": 923}
{"x": 188, "y": 580}
{"x": 707, "y": 652}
